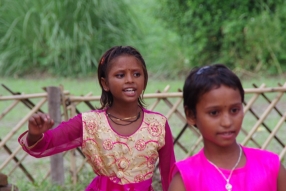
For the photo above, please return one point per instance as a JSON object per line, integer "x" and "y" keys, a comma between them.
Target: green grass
{"x": 83, "y": 86}
{"x": 76, "y": 86}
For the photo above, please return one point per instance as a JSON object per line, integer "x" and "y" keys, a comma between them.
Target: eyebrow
{"x": 217, "y": 106}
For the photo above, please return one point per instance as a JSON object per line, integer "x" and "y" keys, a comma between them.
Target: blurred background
{"x": 59, "y": 42}
{"x": 66, "y": 38}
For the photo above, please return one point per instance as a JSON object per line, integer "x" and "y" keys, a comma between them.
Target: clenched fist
{"x": 38, "y": 124}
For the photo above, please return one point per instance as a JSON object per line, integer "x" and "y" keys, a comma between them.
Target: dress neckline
{"x": 110, "y": 126}
{"x": 227, "y": 171}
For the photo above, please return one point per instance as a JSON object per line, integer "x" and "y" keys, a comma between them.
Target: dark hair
{"x": 203, "y": 79}
{"x": 104, "y": 64}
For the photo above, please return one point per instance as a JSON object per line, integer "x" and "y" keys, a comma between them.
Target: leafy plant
{"x": 243, "y": 34}
{"x": 62, "y": 37}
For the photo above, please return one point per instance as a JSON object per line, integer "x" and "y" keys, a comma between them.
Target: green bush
{"x": 244, "y": 34}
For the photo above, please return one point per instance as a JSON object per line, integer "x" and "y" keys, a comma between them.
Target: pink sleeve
{"x": 166, "y": 158}
{"x": 66, "y": 136}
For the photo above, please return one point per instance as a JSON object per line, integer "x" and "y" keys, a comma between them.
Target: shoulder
{"x": 257, "y": 152}
{"x": 154, "y": 116}
{"x": 192, "y": 160}
{"x": 263, "y": 158}
{"x": 149, "y": 112}
{"x": 93, "y": 115}
{"x": 190, "y": 164}
{"x": 188, "y": 169}
{"x": 94, "y": 111}
{"x": 264, "y": 162}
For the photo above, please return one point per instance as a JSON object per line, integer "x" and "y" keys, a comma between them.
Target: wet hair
{"x": 104, "y": 65}
{"x": 203, "y": 79}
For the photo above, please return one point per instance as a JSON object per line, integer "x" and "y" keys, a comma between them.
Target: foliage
{"x": 83, "y": 180}
{"x": 244, "y": 34}
{"x": 62, "y": 37}
{"x": 159, "y": 46}
{"x": 66, "y": 38}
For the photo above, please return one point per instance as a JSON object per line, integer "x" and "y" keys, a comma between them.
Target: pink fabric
{"x": 259, "y": 173}
{"x": 69, "y": 135}
{"x": 103, "y": 183}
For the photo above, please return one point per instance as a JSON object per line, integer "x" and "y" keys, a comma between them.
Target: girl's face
{"x": 219, "y": 116}
{"x": 125, "y": 79}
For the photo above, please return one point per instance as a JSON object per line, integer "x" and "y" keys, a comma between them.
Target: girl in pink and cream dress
{"x": 121, "y": 140}
{"x": 213, "y": 98}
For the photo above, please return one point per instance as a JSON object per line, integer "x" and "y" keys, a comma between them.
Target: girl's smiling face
{"x": 219, "y": 116}
{"x": 125, "y": 79}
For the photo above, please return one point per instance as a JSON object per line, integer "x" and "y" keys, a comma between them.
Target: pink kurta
{"x": 259, "y": 173}
{"x": 122, "y": 162}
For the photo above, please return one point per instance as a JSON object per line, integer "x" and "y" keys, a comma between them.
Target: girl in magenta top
{"x": 213, "y": 97}
{"x": 121, "y": 140}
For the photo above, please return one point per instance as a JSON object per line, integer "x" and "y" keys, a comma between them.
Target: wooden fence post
{"x": 54, "y": 107}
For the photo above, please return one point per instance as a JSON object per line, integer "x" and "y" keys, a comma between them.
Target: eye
{"x": 119, "y": 75}
{"x": 235, "y": 110}
{"x": 137, "y": 74}
{"x": 214, "y": 113}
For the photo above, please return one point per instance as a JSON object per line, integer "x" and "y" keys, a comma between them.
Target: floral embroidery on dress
{"x": 124, "y": 159}
{"x": 98, "y": 163}
{"x": 139, "y": 178}
{"x": 155, "y": 129}
{"x": 107, "y": 144}
{"x": 151, "y": 160}
{"x": 140, "y": 145}
{"x": 90, "y": 127}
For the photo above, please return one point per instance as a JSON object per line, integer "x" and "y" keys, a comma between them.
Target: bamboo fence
{"x": 264, "y": 127}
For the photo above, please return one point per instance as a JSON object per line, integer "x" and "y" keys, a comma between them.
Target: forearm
{"x": 67, "y": 135}
{"x": 33, "y": 139}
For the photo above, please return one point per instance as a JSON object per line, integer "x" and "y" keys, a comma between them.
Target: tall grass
{"x": 62, "y": 37}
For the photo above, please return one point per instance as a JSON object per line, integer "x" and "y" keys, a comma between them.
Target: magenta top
{"x": 259, "y": 173}
{"x": 121, "y": 162}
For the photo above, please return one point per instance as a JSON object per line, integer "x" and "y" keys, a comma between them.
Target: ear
{"x": 190, "y": 116}
{"x": 104, "y": 84}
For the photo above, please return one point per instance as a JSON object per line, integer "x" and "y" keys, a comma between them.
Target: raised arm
{"x": 40, "y": 140}
{"x": 166, "y": 158}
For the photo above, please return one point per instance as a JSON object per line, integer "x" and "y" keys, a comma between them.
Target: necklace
{"x": 228, "y": 186}
{"x": 122, "y": 119}
{"x": 127, "y": 119}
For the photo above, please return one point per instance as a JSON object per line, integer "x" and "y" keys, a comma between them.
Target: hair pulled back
{"x": 104, "y": 65}
{"x": 203, "y": 79}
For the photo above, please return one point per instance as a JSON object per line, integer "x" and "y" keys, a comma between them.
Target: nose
{"x": 226, "y": 120}
{"x": 129, "y": 78}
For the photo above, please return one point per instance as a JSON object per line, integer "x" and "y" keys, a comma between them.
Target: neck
{"x": 223, "y": 157}
{"x": 129, "y": 110}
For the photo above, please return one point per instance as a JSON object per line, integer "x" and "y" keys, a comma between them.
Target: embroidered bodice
{"x": 124, "y": 159}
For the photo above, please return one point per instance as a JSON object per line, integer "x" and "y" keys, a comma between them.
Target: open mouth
{"x": 129, "y": 90}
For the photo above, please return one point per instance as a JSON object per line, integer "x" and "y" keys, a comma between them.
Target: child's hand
{"x": 38, "y": 124}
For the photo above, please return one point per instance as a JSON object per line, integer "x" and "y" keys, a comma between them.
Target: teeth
{"x": 128, "y": 90}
